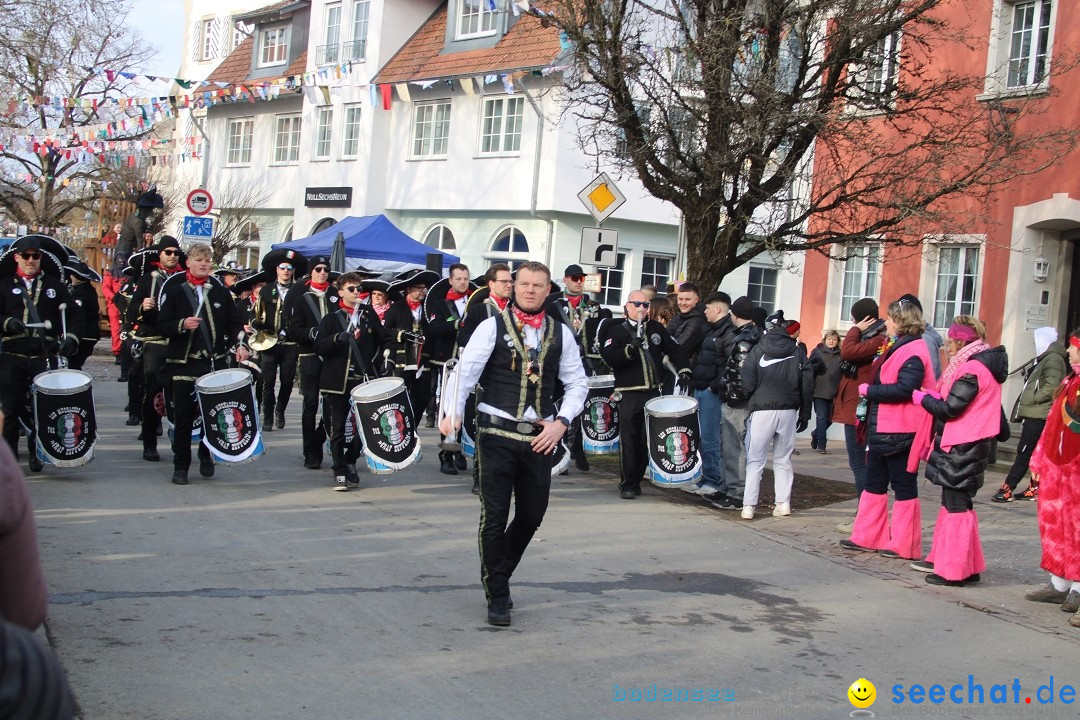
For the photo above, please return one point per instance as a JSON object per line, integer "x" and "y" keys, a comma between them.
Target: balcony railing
{"x": 327, "y": 54}
{"x": 355, "y": 50}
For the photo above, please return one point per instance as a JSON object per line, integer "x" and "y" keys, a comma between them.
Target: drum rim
{"x": 691, "y": 408}
{"x": 218, "y": 389}
{"x": 398, "y": 383}
{"x": 62, "y": 391}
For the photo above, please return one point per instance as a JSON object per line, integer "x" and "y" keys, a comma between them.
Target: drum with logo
{"x": 63, "y": 403}
{"x": 600, "y": 418}
{"x": 671, "y": 429}
{"x": 384, "y": 418}
{"x": 230, "y": 415}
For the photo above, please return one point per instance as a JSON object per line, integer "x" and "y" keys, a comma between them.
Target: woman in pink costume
{"x": 966, "y": 412}
{"x": 1056, "y": 465}
{"x": 903, "y": 366}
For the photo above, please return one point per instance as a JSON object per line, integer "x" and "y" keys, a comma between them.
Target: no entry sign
{"x": 200, "y": 202}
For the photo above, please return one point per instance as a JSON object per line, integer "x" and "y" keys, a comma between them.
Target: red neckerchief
{"x": 346, "y": 308}
{"x": 20, "y": 273}
{"x": 363, "y": 297}
{"x": 380, "y": 310}
{"x": 501, "y": 302}
{"x": 455, "y": 296}
{"x": 574, "y": 300}
{"x": 413, "y": 304}
{"x": 321, "y": 287}
{"x": 534, "y": 320}
{"x": 194, "y": 280}
{"x": 172, "y": 271}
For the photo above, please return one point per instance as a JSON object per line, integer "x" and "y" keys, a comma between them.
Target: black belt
{"x": 519, "y": 426}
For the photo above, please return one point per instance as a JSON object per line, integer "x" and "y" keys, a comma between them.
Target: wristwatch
{"x": 563, "y": 420}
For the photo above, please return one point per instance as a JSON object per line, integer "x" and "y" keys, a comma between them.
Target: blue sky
{"x": 161, "y": 24}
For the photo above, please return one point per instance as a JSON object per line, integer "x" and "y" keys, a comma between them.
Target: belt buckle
{"x": 526, "y": 428}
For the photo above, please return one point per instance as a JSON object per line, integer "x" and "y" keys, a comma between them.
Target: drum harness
{"x": 354, "y": 349}
{"x": 648, "y": 365}
{"x": 197, "y": 306}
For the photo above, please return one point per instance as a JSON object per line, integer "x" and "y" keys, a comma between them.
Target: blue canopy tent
{"x": 372, "y": 242}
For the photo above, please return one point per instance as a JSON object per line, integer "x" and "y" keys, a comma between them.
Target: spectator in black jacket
{"x": 780, "y": 387}
{"x": 707, "y": 385}
{"x": 825, "y": 360}
{"x": 688, "y": 327}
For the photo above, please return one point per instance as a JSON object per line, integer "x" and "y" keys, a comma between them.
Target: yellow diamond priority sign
{"x": 601, "y": 198}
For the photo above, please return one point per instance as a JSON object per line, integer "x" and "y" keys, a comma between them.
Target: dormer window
{"x": 476, "y": 18}
{"x": 273, "y": 46}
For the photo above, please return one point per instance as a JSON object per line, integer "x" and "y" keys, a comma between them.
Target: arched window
{"x": 288, "y": 235}
{"x": 440, "y": 238}
{"x": 510, "y": 247}
{"x": 322, "y": 225}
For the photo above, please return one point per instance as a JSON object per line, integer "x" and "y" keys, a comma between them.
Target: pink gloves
{"x": 863, "y": 388}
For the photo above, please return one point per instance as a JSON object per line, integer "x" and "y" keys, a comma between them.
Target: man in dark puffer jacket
{"x": 707, "y": 385}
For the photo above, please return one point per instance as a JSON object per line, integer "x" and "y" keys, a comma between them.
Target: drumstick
{"x": 63, "y": 318}
{"x": 47, "y": 324}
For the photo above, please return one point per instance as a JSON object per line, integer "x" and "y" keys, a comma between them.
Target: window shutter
{"x": 196, "y": 41}
{"x": 220, "y": 42}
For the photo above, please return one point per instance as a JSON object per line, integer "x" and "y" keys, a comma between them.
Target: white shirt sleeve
{"x": 572, "y": 375}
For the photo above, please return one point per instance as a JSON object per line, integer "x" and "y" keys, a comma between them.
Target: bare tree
{"x": 51, "y": 51}
{"x": 792, "y": 125}
{"x": 233, "y": 227}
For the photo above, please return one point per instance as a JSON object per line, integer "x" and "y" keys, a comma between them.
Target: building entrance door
{"x": 1071, "y": 282}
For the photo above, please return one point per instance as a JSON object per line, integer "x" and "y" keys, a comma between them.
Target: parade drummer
{"x": 32, "y": 290}
{"x": 157, "y": 264}
{"x": 635, "y": 350}
{"x": 200, "y": 321}
{"x": 270, "y": 318}
{"x": 519, "y": 356}
{"x": 80, "y": 280}
{"x": 130, "y": 366}
{"x": 445, "y": 309}
{"x": 348, "y": 340}
{"x": 408, "y": 328}
{"x": 572, "y": 307}
{"x": 305, "y": 308}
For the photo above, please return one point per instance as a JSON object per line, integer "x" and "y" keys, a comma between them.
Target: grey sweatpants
{"x": 765, "y": 428}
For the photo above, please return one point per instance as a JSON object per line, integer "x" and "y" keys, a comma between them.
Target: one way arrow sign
{"x": 599, "y": 247}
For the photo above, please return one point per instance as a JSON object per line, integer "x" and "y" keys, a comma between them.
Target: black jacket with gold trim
{"x": 47, "y": 294}
{"x": 218, "y": 312}
{"x": 271, "y": 313}
{"x": 638, "y": 364}
{"x": 341, "y": 367}
{"x": 303, "y": 321}
{"x": 398, "y": 321}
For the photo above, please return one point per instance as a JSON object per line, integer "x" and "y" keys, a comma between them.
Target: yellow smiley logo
{"x": 862, "y": 693}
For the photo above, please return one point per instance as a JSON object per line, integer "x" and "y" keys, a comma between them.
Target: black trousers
{"x": 633, "y": 445}
{"x": 153, "y": 362}
{"x": 885, "y": 470}
{"x": 1030, "y": 432}
{"x": 957, "y": 501}
{"x": 186, "y": 407}
{"x": 86, "y": 349}
{"x": 419, "y": 391}
{"x": 314, "y": 432}
{"x": 16, "y": 378}
{"x": 135, "y": 379}
{"x": 509, "y": 469}
{"x": 283, "y": 357}
{"x": 577, "y": 449}
{"x": 335, "y": 412}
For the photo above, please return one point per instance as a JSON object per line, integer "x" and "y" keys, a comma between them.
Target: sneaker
{"x": 726, "y": 503}
{"x": 847, "y": 544}
{"x": 747, "y": 512}
{"x": 1072, "y": 603}
{"x": 1003, "y": 495}
{"x": 922, "y": 566}
{"x": 782, "y": 510}
{"x": 341, "y": 483}
{"x": 279, "y": 420}
{"x": 821, "y": 451}
{"x": 1032, "y": 493}
{"x": 813, "y": 443}
{"x": 499, "y": 612}
{"x": 1047, "y": 594}
{"x": 351, "y": 478}
{"x": 890, "y": 554}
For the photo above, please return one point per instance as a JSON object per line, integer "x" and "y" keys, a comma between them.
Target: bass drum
{"x": 600, "y": 418}
{"x": 671, "y": 428}
{"x": 384, "y": 418}
{"x": 63, "y": 403}
{"x": 230, "y": 415}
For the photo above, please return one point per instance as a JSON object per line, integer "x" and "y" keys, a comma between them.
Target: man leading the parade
{"x": 281, "y": 353}
{"x": 32, "y": 291}
{"x": 519, "y": 356}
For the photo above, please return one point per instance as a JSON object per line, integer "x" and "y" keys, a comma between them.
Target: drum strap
{"x": 35, "y": 318}
{"x": 203, "y": 326}
{"x": 353, "y": 347}
{"x": 645, "y": 352}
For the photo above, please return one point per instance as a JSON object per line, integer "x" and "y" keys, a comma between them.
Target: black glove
{"x": 342, "y": 337}
{"x": 16, "y": 326}
{"x": 802, "y": 424}
{"x": 684, "y": 380}
{"x": 636, "y": 341}
{"x": 69, "y": 346}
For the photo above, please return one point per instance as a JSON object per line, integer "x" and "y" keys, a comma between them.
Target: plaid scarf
{"x": 961, "y": 357}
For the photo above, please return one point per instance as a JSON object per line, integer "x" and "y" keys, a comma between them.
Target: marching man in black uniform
{"x": 270, "y": 318}
{"x": 408, "y": 328}
{"x": 81, "y": 279}
{"x": 635, "y": 350}
{"x": 305, "y": 308}
{"x": 348, "y": 339}
{"x": 519, "y": 356}
{"x": 159, "y": 263}
{"x": 445, "y": 315}
{"x": 200, "y": 321}
{"x": 32, "y": 291}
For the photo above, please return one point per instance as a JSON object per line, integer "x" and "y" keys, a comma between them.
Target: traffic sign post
{"x": 200, "y": 202}
{"x": 599, "y": 247}
{"x": 198, "y": 228}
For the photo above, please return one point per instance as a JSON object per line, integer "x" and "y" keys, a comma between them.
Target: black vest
{"x": 506, "y": 378}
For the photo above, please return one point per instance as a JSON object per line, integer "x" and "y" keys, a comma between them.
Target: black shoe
{"x": 35, "y": 463}
{"x": 279, "y": 421}
{"x": 627, "y": 494}
{"x": 140, "y": 435}
{"x": 637, "y": 491}
{"x": 179, "y": 477}
{"x": 122, "y": 378}
{"x": 268, "y": 424}
{"x": 848, "y": 545}
{"x": 935, "y": 579}
{"x": 509, "y": 602}
{"x": 313, "y": 463}
{"x": 475, "y": 487}
{"x": 127, "y": 408}
{"x": 206, "y": 467}
{"x": 725, "y": 503}
{"x": 117, "y": 360}
{"x": 891, "y": 554}
{"x": 446, "y": 464}
{"x": 150, "y": 455}
{"x": 133, "y": 420}
{"x": 813, "y": 443}
{"x": 352, "y": 480}
{"x": 581, "y": 463}
{"x": 499, "y": 613}
{"x": 565, "y": 472}
{"x": 429, "y": 422}
{"x": 460, "y": 462}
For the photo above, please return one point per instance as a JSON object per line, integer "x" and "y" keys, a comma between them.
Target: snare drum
{"x": 384, "y": 418}
{"x": 671, "y": 429}
{"x": 63, "y": 403}
{"x": 230, "y": 415}
{"x": 600, "y": 418}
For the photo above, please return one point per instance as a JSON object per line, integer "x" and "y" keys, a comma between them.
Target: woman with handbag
{"x": 966, "y": 412}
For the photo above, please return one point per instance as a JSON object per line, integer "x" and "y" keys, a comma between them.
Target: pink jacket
{"x": 23, "y": 598}
{"x": 982, "y": 417}
{"x": 903, "y": 417}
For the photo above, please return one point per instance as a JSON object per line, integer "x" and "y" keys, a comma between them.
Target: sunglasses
{"x": 321, "y": 268}
{"x": 284, "y": 266}
{"x": 170, "y": 253}
{"x": 640, "y": 303}
{"x": 31, "y": 255}
{"x": 576, "y": 278}
{"x": 352, "y": 288}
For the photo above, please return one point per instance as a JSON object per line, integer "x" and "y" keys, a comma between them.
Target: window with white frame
{"x": 273, "y": 46}
{"x": 324, "y": 123}
{"x": 656, "y": 270}
{"x": 431, "y": 130}
{"x": 500, "y": 129}
{"x": 356, "y": 49}
{"x": 208, "y": 39}
{"x": 440, "y": 238}
{"x": 862, "y": 276}
{"x": 957, "y": 272}
{"x": 510, "y": 246}
{"x": 329, "y": 52}
{"x": 286, "y": 139}
{"x": 875, "y": 76}
{"x": 350, "y": 135}
{"x": 247, "y": 252}
{"x": 1029, "y": 42}
{"x": 611, "y": 282}
{"x": 475, "y": 18}
{"x": 240, "y": 31}
{"x": 761, "y": 286}
{"x": 238, "y": 148}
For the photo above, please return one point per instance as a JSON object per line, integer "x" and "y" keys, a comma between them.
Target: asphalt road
{"x": 263, "y": 594}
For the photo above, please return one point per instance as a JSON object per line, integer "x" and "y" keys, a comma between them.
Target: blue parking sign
{"x": 198, "y": 227}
